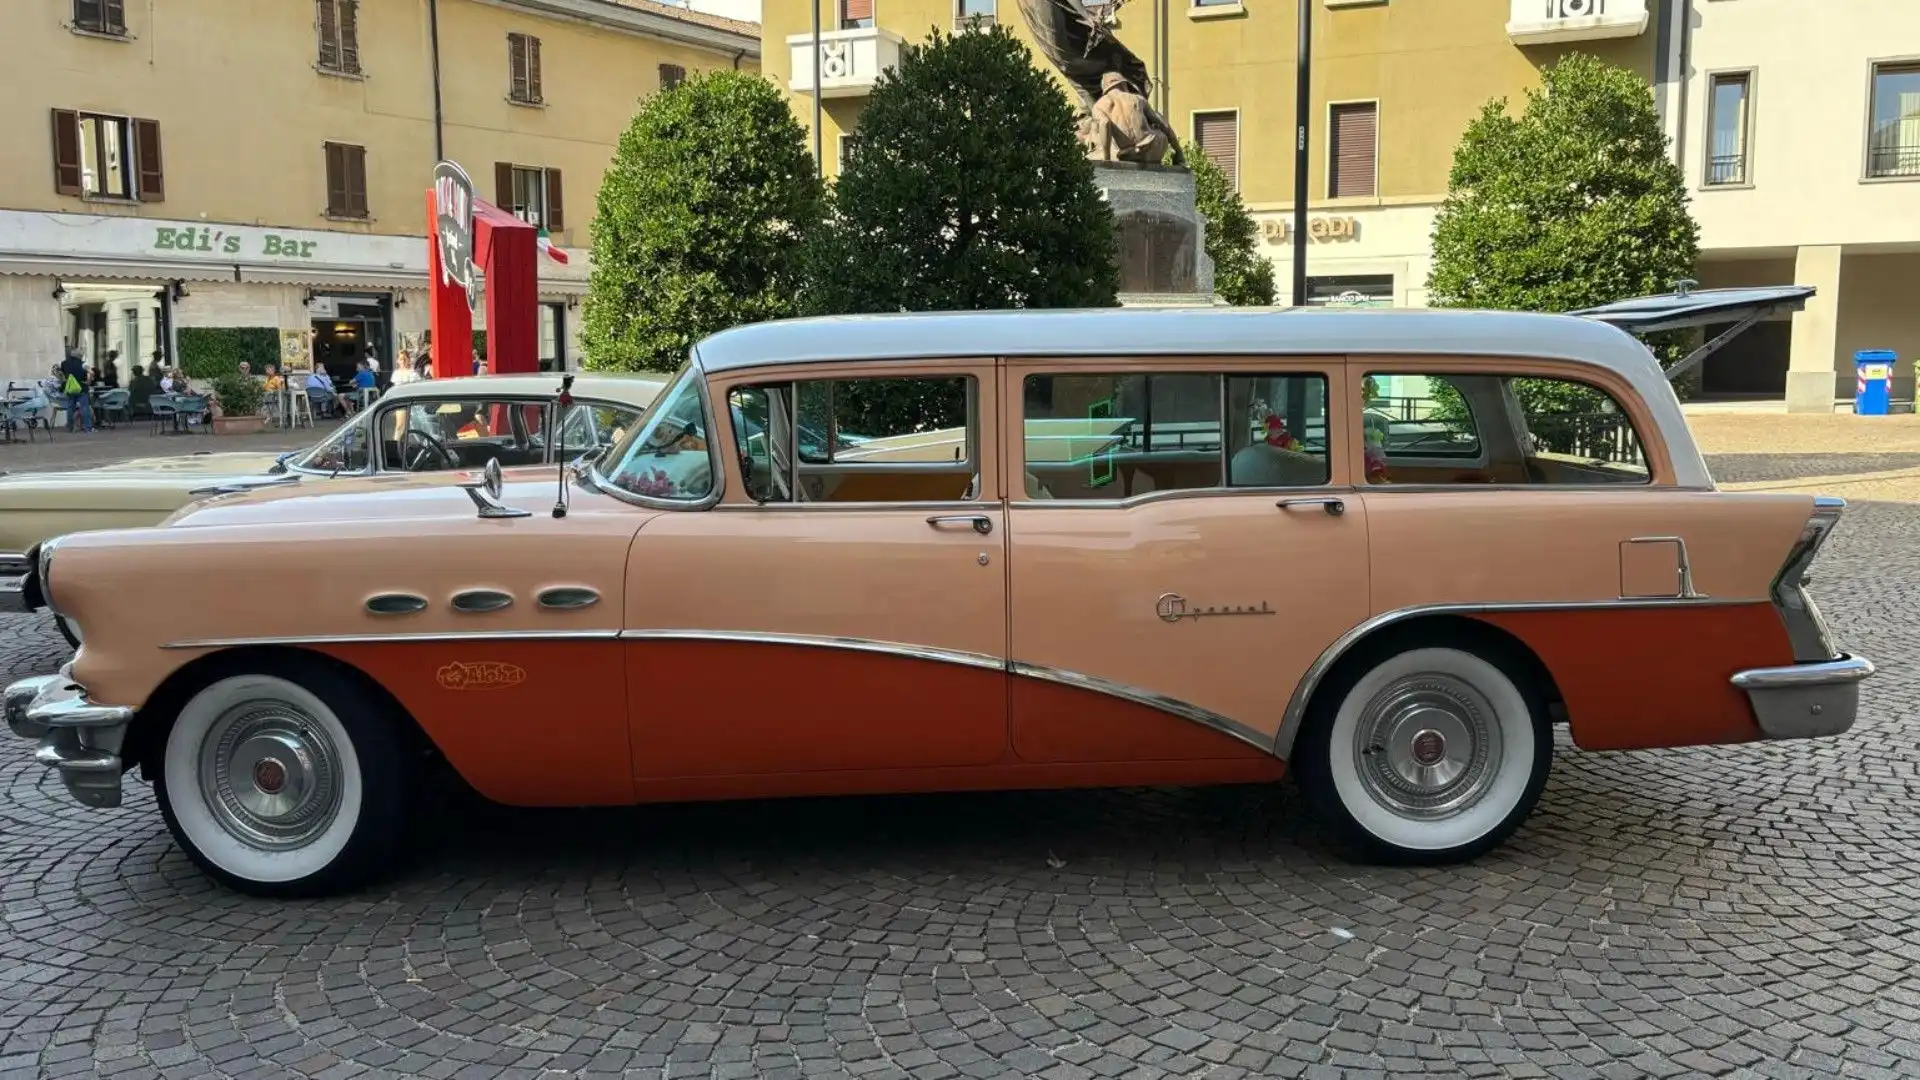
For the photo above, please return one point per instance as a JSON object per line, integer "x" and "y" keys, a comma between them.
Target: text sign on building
{"x": 453, "y": 211}
{"x": 1278, "y": 230}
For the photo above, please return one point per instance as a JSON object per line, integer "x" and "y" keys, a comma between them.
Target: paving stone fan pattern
{"x": 1748, "y": 911}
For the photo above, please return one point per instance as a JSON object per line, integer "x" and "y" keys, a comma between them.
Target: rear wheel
{"x": 1431, "y": 755}
{"x": 293, "y": 784}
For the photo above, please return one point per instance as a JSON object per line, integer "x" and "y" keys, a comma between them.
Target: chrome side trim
{"x": 395, "y": 639}
{"x": 481, "y": 600}
{"x": 1806, "y": 627}
{"x": 396, "y": 604}
{"x": 1296, "y": 712}
{"x": 568, "y": 598}
{"x": 889, "y": 648}
{"x": 1172, "y": 706}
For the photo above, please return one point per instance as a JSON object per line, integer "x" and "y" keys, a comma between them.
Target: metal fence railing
{"x": 1894, "y": 161}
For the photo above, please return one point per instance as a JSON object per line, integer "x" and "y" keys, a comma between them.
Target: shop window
{"x": 523, "y": 69}
{"x": 1217, "y": 134}
{"x": 530, "y": 193}
{"x": 100, "y": 16}
{"x": 107, "y": 157}
{"x": 1496, "y": 429}
{"x": 672, "y": 75}
{"x": 1729, "y": 122}
{"x": 553, "y": 337}
{"x": 1893, "y": 141}
{"x": 346, "y": 181}
{"x": 970, "y": 13}
{"x": 1351, "y": 290}
{"x": 338, "y": 24}
{"x": 1353, "y": 150}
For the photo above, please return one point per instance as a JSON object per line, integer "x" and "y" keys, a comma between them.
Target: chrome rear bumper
{"x": 79, "y": 738}
{"x": 1806, "y": 701}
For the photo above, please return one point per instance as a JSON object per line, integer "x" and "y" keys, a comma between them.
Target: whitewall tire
{"x": 68, "y": 629}
{"x": 1430, "y": 755}
{"x": 284, "y": 785}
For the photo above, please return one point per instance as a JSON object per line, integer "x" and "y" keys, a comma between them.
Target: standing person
{"x": 73, "y": 384}
{"x": 373, "y": 365}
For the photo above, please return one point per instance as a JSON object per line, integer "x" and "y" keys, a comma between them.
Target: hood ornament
{"x": 485, "y": 493}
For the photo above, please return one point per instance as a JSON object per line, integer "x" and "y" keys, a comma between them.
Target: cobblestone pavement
{"x": 1745, "y": 468}
{"x": 1750, "y": 911}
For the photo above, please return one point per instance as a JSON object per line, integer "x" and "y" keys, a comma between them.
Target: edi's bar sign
{"x": 453, "y": 209}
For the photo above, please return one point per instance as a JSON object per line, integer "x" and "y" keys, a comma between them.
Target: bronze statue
{"x": 1098, "y": 66}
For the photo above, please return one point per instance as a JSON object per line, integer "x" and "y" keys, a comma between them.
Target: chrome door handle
{"x": 977, "y": 522}
{"x": 1333, "y": 505}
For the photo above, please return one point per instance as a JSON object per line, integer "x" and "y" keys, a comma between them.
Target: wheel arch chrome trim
{"x": 1172, "y": 706}
{"x": 1316, "y": 673}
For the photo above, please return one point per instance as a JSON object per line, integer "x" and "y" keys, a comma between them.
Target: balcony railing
{"x": 1727, "y": 169}
{"x": 1890, "y": 161}
{"x": 850, "y": 60}
{"x": 1544, "y": 22}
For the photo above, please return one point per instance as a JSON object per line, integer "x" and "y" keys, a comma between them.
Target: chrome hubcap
{"x": 270, "y": 775}
{"x": 1428, "y": 746}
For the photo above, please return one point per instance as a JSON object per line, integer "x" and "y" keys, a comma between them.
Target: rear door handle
{"x": 1332, "y": 504}
{"x": 979, "y": 523}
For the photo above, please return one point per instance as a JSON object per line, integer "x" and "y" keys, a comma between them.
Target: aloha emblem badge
{"x": 480, "y": 675}
{"x": 1172, "y": 607}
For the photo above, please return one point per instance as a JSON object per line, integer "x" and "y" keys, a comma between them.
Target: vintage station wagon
{"x": 1385, "y": 551}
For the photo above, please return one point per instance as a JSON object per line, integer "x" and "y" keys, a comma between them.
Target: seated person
{"x": 1278, "y": 460}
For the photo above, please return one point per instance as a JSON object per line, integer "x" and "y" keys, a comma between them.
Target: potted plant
{"x": 237, "y": 399}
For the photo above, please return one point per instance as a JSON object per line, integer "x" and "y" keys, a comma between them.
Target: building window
{"x": 848, "y": 144}
{"x": 1217, "y": 134}
{"x": 1893, "y": 141}
{"x": 982, "y": 13}
{"x": 856, "y": 14}
{"x": 523, "y": 64}
{"x": 672, "y": 75}
{"x": 1729, "y": 123}
{"x": 339, "y": 29}
{"x": 100, "y": 16}
{"x": 1352, "y": 150}
{"x": 346, "y": 181}
{"x": 107, "y": 157}
{"x": 530, "y": 193}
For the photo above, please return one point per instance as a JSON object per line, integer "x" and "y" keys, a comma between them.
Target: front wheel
{"x": 279, "y": 786}
{"x": 1432, "y": 755}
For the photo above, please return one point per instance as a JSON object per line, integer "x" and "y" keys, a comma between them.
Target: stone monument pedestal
{"x": 1163, "y": 254}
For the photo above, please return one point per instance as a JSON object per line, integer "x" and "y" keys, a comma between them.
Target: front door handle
{"x": 1332, "y": 504}
{"x": 979, "y": 523}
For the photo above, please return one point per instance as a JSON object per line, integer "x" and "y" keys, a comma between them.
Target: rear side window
{"x": 1496, "y": 429}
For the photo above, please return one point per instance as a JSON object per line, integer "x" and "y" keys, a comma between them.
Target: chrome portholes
{"x": 477, "y": 601}
{"x": 568, "y": 598}
{"x": 1427, "y": 746}
{"x": 270, "y": 775}
{"x": 396, "y": 604}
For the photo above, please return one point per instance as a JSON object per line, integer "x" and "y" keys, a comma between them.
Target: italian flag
{"x": 558, "y": 255}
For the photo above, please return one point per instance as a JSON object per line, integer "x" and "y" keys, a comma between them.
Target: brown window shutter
{"x": 146, "y": 157}
{"x": 1218, "y": 136}
{"x": 356, "y": 162}
{"x": 89, "y": 14}
{"x": 517, "y": 65}
{"x": 114, "y": 16}
{"x": 350, "y": 36}
{"x": 672, "y": 75}
{"x": 503, "y": 185}
{"x": 533, "y": 70}
{"x": 329, "y": 35}
{"x": 556, "y": 216}
{"x": 1352, "y": 151}
{"x": 67, "y": 173}
{"x": 336, "y": 180}
{"x": 852, "y": 11}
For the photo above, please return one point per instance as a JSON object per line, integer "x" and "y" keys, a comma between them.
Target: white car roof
{"x": 635, "y": 389}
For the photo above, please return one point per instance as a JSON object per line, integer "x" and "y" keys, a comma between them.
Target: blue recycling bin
{"x": 1873, "y": 390}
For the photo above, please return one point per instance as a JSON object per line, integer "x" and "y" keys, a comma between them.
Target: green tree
{"x": 966, "y": 189}
{"x": 1574, "y": 202}
{"x": 1241, "y": 275}
{"x": 699, "y": 223}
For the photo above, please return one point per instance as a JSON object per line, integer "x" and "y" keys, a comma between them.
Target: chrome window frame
{"x": 716, "y": 466}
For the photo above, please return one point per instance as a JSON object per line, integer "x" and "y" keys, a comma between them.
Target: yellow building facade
{"x": 264, "y": 163}
{"x": 1394, "y": 84}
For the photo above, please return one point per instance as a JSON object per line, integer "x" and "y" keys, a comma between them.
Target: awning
{"x": 335, "y": 277}
{"x": 1701, "y": 307}
{"x": 89, "y": 269}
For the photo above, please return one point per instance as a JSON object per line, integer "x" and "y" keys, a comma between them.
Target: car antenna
{"x": 564, "y": 401}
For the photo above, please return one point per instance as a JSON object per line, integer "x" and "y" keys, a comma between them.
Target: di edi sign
{"x": 453, "y": 210}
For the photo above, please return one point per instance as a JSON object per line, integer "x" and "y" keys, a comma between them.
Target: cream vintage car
{"x": 410, "y": 418}
{"x": 1384, "y": 550}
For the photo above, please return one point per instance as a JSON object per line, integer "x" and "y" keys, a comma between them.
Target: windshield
{"x": 666, "y": 455}
{"x": 343, "y": 451}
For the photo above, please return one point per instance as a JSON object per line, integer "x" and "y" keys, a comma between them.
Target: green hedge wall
{"x": 207, "y": 352}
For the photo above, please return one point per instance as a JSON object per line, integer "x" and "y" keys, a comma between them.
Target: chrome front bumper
{"x": 1806, "y": 701}
{"x": 79, "y": 738}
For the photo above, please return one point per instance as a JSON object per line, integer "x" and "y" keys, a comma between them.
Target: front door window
{"x": 442, "y": 436}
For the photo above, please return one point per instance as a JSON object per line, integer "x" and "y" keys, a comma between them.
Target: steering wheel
{"x": 428, "y": 445}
